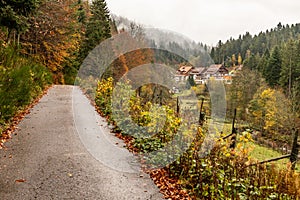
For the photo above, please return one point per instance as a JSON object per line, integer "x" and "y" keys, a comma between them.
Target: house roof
{"x": 198, "y": 70}
{"x": 213, "y": 69}
{"x": 184, "y": 70}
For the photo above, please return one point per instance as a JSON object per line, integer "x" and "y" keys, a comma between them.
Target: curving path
{"x": 47, "y": 158}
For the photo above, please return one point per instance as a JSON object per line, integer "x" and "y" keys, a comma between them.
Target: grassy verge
{"x": 261, "y": 153}
{"x": 21, "y": 81}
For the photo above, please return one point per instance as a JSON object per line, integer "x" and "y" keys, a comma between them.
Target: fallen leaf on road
{"x": 169, "y": 187}
{"x": 20, "y": 181}
{"x": 12, "y": 126}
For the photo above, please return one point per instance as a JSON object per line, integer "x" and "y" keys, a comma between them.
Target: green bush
{"x": 21, "y": 81}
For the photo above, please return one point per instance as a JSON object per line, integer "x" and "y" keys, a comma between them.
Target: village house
{"x": 216, "y": 71}
{"x": 183, "y": 73}
{"x": 202, "y": 74}
{"x": 198, "y": 74}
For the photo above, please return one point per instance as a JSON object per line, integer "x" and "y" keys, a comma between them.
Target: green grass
{"x": 261, "y": 153}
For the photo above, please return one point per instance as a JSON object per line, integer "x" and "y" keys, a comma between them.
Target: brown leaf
{"x": 20, "y": 181}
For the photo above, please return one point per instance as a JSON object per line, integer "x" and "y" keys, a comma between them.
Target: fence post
{"x": 201, "y": 114}
{"x": 139, "y": 91}
{"x": 177, "y": 107}
{"x": 233, "y": 131}
{"x": 295, "y": 150}
{"x": 161, "y": 98}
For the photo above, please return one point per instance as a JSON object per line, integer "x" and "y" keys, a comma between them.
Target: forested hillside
{"x": 256, "y": 44}
{"x": 196, "y": 53}
{"x": 275, "y": 53}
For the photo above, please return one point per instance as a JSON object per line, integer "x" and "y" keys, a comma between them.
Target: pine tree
{"x": 212, "y": 53}
{"x": 262, "y": 65}
{"x": 252, "y": 61}
{"x": 273, "y": 69}
{"x": 98, "y": 27}
{"x": 15, "y": 15}
{"x": 289, "y": 64}
{"x": 81, "y": 12}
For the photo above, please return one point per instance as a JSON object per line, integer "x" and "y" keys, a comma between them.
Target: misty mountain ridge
{"x": 161, "y": 37}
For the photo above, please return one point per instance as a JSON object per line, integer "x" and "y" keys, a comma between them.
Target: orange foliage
{"x": 54, "y": 35}
{"x": 137, "y": 57}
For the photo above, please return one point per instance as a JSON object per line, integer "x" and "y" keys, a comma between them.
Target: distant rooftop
{"x": 184, "y": 69}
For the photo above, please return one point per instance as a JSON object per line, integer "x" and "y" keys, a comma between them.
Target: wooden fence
{"x": 293, "y": 156}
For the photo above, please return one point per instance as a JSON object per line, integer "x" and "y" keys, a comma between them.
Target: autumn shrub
{"x": 135, "y": 118}
{"x": 231, "y": 174}
{"x": 223, "y": 173}
{"x": 103, "y": 96}
{"x": 21, "y": 81}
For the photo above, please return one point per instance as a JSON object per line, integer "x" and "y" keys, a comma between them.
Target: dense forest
{"x": 274, "y": 53}
{"x": 57, "y": 34}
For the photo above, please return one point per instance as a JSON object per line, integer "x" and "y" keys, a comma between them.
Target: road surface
{"x": 49, "y": 157}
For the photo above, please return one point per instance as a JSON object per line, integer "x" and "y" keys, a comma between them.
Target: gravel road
{"x": 49, "y": 157}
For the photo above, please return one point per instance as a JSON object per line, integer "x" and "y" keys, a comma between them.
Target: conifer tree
{"x": 14, "y": 15}
{"x": 263, "y": 63}
{"x": 98, "y": 27}
{"x": 273, "y": 69}
{"x": 290, "y": 65}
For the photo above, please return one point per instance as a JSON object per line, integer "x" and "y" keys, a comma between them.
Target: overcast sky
{"x": 208, "y": 21}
